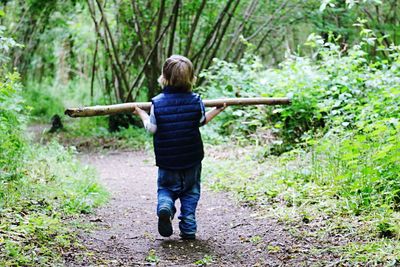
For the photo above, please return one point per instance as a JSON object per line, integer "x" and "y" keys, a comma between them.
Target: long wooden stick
{"x": 128, "y": 107}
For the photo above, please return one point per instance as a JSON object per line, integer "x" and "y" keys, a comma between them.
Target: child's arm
{"x": 146, "y": 119}
{"x": 214, "y": 112}
{"x": 142, "y": 114}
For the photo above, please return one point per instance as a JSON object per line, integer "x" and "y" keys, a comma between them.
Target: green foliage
{"x": 48, "y": 98}
{"x": 93, "y": 133}
{"x": 95, "y": 127}
{"x": 297, "y": 78}
{"x": 366, "y": 167}
{"x": 40, "y": 186}
{"x": 62, "y": 43}
{"x": 53, "y": 186}
{"x": 152, "y": 257}
{"x": 206, "y": 260}
{"x": 233, "y": 80}
{"x": 6, "y": 44}
{"x": 134, "y": 137}
{"x": 339, "y": 187}
{"x": 42, "y": 103}
{"x": 12, "y": 118}
{"x": 337, "y": 90}
{"x": 345, "y": 116}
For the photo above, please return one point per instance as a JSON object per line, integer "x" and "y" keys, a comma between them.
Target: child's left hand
{"x": 222, "y": 108}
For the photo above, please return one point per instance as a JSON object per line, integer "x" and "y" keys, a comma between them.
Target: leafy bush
{"x": 42, "y": 102}
{"x": 235, "y": 80}
{"x": 12, "y": 118}
{"x": 297, "y": 78}
{"x": 363, "y": 169}
{"x": 354, "y": 103}
{"x": 337, "y": 90}
{"x": 345, "y": 176}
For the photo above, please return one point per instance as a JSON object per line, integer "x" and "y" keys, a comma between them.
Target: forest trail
{"x": 126, "y": 234}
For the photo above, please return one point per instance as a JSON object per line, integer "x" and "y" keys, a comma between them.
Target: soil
{"x": 125, "y": 230}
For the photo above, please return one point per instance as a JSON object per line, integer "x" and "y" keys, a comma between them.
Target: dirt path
{"x": 126, "y": 232}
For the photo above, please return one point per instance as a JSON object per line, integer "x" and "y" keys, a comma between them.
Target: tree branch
{"x": 104, "y": 41}
{"x": 247, "y": 14}
{"x": 282, "y": 6}
{"x": 213, "y": 32}
{"x": 194, "y": 27}
{"x": 93, "y": 69}
{"x": 172, "y": 36}
{"x": 114, "y": 48}
{"x": 227, "y": 23}
{"x": 137, "y": 27}
{"x": 130, "y": 95}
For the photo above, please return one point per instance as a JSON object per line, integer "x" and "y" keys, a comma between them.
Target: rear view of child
{"x": 175, "y": 117}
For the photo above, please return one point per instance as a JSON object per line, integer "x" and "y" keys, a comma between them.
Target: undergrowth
{"x": 36, "y": 208}
{"x": 42, "y": 188}
{"x": 42, "y": 103}
{"x": 341, "y": 169}
{"x": 318, "y": 193}
{"x": 91, "y": 134}
{"x": 46, "y": 100}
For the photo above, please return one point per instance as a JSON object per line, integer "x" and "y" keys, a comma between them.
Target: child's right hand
{"x": 136, "y": 110}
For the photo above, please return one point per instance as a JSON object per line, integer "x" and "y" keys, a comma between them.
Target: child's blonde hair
{"x": 178, "y": 72}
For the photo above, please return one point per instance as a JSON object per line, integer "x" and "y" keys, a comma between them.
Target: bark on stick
{"x": 128, "y": 107}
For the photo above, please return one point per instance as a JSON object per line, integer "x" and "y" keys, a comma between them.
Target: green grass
{"x": 42, "y": 103}
{"x": 152, "y": 257}
{"x": 37, "y": 210}
{"x": 49, "y": 97}
{"x": 206, "y": 260}
{"x": 46, "y": 99}
{"x": 42, "y": 187}
{"x": 92, "y": 134}
{"x": 323, "y": 189}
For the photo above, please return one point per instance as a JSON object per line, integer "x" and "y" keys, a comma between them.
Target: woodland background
{"x": 335, "y": 152}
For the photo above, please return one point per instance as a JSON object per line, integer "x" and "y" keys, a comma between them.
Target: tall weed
{"x": 40, "y": 186}
{"x": 342, "y": 133}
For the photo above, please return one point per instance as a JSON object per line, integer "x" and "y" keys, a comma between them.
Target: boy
{"x": 175, "y": 117}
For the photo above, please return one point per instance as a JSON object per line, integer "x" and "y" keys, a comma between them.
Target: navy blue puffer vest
{"x": 177, "y": 141}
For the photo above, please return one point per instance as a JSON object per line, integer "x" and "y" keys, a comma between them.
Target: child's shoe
{"x": 164, "y": 222}
{"x": 187, "y": 236}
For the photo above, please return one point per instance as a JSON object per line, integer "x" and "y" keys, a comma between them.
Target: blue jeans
{"x": 182, "y": 184}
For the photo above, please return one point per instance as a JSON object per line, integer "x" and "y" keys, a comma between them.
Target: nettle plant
{"x": 225, "y": 79}
{"x": 12, "y": 114}
{"x": 284, "y": 127}
{"x": 357, "y": 159}
{"x": 329, "y": 89}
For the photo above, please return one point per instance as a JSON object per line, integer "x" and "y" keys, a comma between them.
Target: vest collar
{"x": 173, "y": 90}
